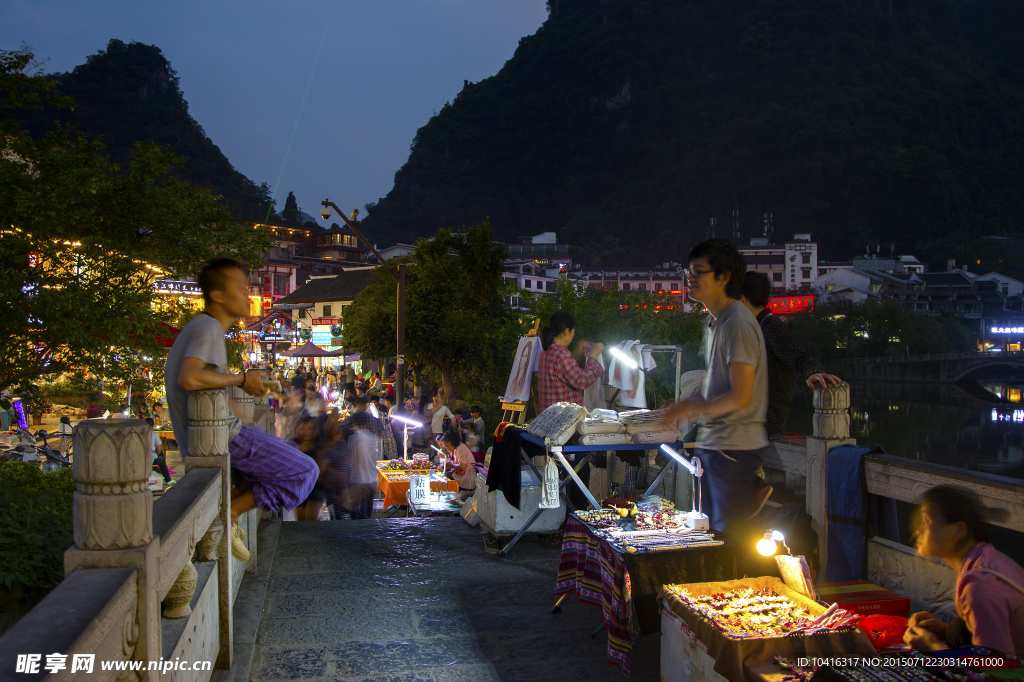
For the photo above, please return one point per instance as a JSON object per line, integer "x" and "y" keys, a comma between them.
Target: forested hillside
{"x": 625, "y": 125}
{"x": 129, "y": 92}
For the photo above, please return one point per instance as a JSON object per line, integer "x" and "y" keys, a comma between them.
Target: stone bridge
{"x": 153, "y": 582}
{"x": 949, "y": 368}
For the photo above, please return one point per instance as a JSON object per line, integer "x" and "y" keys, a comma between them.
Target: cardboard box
{"x": 865, "y": 598}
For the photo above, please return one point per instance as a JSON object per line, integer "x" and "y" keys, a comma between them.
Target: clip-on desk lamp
{"x": 695, "y": 519}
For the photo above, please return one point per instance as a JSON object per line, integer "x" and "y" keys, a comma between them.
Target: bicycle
{"x": 65, "y": 442}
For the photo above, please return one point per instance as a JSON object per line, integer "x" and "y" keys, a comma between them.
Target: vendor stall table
{"x": 626, "y": 586}
{"x": 441, "y": 507}
{"x": 537, "y": 446}
{"x": 395, "y": 491}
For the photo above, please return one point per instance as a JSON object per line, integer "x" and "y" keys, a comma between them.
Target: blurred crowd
{"x": 346, "y": 429}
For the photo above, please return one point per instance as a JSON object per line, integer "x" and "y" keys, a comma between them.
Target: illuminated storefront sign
{"x": 172, "y": 286}
{"x": 1016, "y": 416}
{"x": 323, "y": 337}
{"x": 784, "y": 305}
{"x": 325, "y": 321}
{"x": 1008, "y": 330}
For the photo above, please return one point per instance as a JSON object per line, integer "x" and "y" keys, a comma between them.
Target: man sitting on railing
{"x": 269, "y": 473}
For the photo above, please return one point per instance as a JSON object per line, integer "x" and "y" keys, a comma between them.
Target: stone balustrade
{"x": 146, "y": 581}
{"x": 152, "y": 581}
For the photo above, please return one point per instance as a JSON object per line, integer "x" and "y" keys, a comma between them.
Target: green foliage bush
{"x": 835, "y": 333}
{"x": 35, "y": 527}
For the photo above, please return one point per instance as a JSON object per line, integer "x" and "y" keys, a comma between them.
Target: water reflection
{"x": 973, "y": 426}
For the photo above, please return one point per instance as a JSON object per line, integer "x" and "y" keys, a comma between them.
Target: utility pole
{"x": 399, "y": 278}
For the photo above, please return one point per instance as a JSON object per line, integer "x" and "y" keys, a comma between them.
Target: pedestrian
{"x": 314, "y": 404}
{"x": 476, "y": 434}
{"x": 375, "y": 384}
{"x": 421, "y": 434}
{"x": 560, "y": 378}
{"x": 953, "y": 525}
{"x": 786, "y": 357}
{"x": 293, "y": 408}
{"x": 268, "y": 473}
{"x": 308, "y": 439}
{"x": 156, "y": 453}
{"x": 94, "y": 409}
{"x": 5, "y": 412}
{"x": 734, "y": 396}
{"x": 441, "y": 418}
{"x": 363, "y": 453}
{"x": 299, "y": 378}
{"x": 350, "y": 379}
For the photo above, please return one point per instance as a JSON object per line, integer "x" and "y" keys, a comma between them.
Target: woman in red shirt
{"x": 561, "y": 379}
{"x": 559, "y": 376}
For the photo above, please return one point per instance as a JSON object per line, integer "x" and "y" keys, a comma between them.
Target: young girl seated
{"x": 951, "y": 525}
{"x": 463, "y": 471}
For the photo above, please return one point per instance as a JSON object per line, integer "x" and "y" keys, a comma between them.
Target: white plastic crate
{"x": 501, "y": 518}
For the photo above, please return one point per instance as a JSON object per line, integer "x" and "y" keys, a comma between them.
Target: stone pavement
{"x": 420, "y": 599}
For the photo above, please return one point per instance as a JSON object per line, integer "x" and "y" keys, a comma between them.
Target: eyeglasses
{"x": 690, "y": 273}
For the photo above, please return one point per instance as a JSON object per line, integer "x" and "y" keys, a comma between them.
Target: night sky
{"x": 375, "y": 71}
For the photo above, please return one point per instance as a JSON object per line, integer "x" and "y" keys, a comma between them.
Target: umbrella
{"x": 308, "y": 350}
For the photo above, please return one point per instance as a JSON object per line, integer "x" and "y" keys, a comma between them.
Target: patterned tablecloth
{"x": 626, "y": 586}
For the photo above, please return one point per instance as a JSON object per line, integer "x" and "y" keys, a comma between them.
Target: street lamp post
{"x": 399, "y": 278}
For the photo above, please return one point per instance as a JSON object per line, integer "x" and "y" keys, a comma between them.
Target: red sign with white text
{"x": 325, "y": 321}
{"x": 784, "y": 305}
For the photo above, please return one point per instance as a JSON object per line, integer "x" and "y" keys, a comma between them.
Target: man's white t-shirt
{"x": 154, "y": 445}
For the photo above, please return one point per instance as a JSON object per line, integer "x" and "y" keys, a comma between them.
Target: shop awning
{"x": 308, "y": 350}
{"x": 291, "y": 306}
{"x": 258, "y": 324}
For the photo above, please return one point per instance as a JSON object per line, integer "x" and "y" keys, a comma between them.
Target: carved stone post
{"x": 831, "y": 428}
{"x": 241, "y": 404}
{"x": 113, "y": 519}
{"x": 262, "y": 417}
{"x": 208, "y": 447}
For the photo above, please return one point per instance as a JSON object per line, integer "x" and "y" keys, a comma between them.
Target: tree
{"x": 291, "y": 209}
{"x": 83, "y": 240}
{"x": 456, "y": 320}
{"x": 130, "y": 92}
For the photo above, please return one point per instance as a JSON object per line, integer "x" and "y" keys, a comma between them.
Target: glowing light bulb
{"x": 766, "y": 546}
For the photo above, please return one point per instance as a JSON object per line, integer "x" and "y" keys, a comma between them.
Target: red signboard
{"x": 784, "y": 305}
{"x": 325, "y": 321}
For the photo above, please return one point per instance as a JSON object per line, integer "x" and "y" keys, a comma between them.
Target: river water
{"x": 977, "y": 426}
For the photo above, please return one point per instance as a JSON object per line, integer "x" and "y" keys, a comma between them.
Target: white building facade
{"x": 792, "y": 266}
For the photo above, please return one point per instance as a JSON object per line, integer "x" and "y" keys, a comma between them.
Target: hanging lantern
{"x": 305, "y": 334}
{"x": 335, "y": 330}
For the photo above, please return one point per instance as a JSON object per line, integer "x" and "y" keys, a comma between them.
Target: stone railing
{"x": 145, "y": 581}
{"x": 897, "y": 566}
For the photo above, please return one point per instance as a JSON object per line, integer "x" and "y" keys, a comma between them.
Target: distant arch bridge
{"x": 947, "y": 368}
